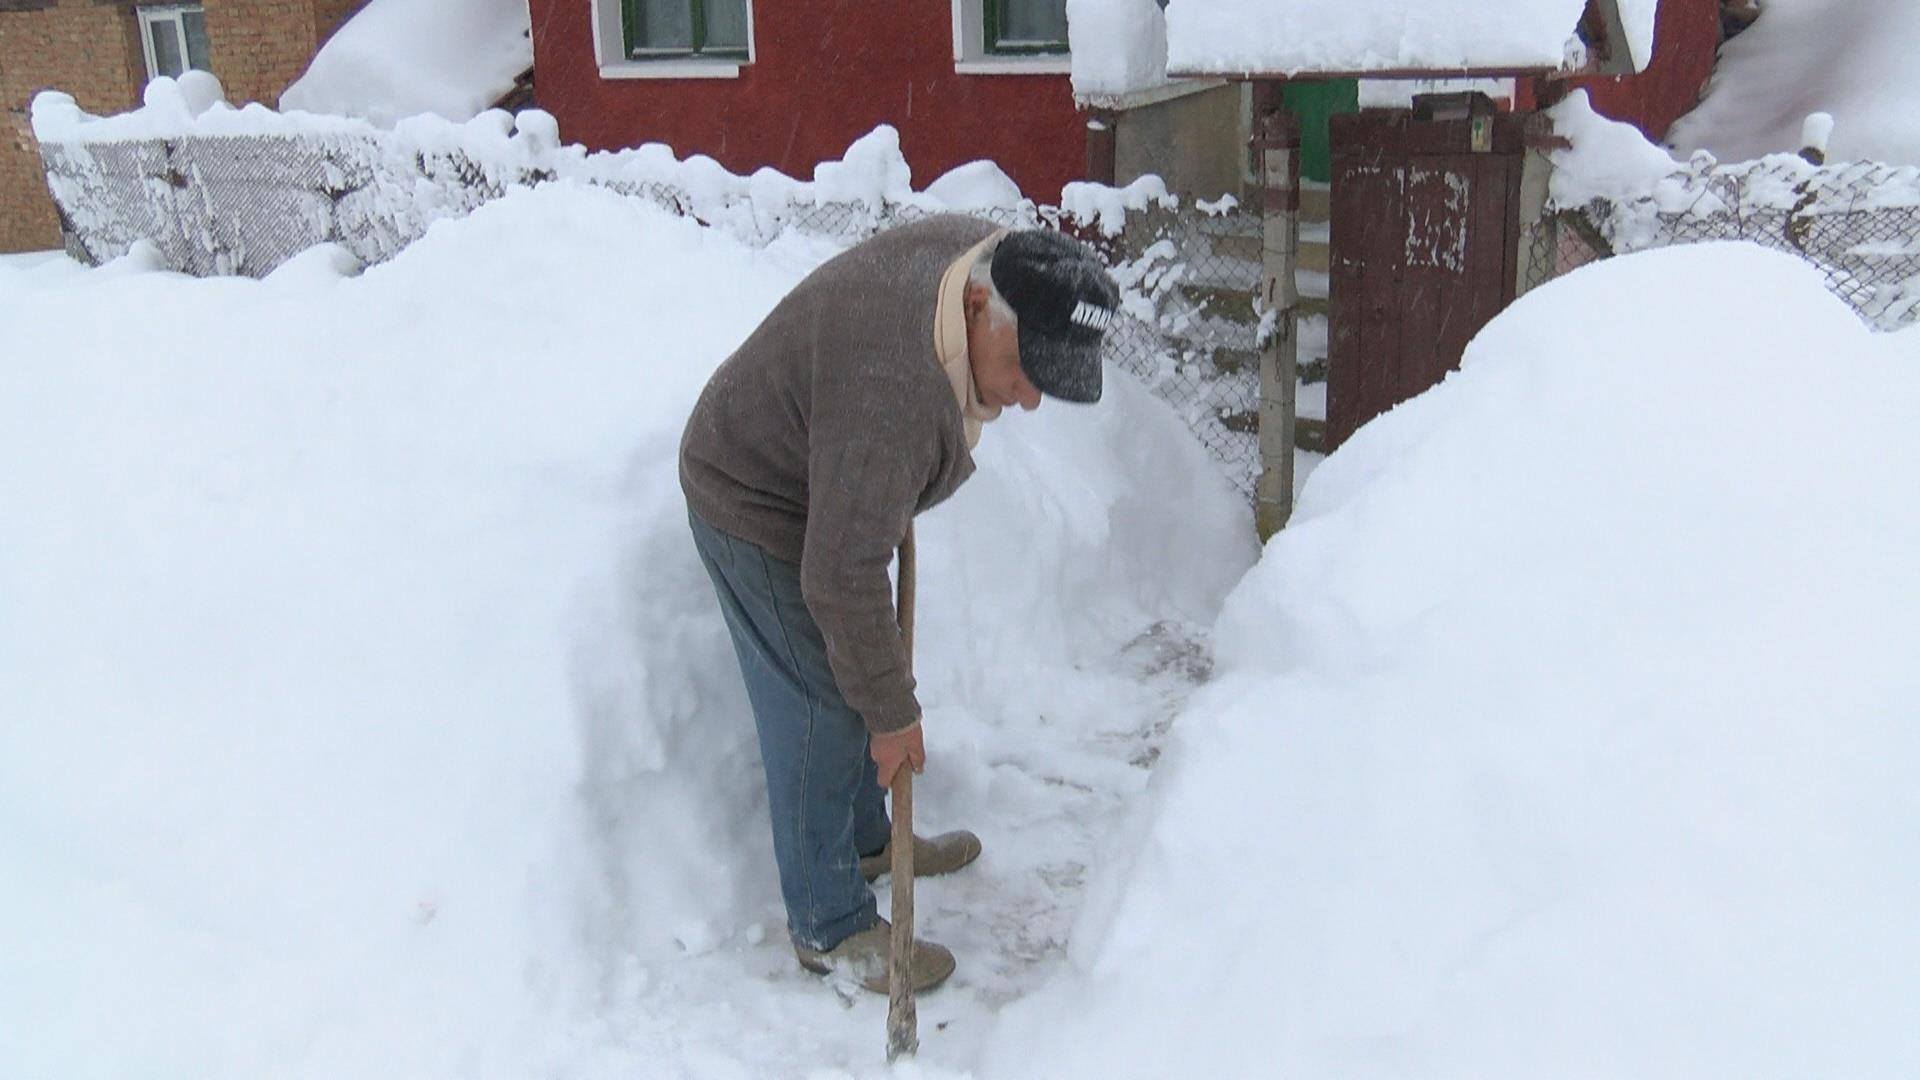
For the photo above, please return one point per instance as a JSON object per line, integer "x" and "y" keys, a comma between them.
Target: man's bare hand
{"x": 892, "y": 750}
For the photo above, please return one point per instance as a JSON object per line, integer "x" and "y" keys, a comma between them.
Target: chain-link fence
{"x": 1191, "y": 277}
{"x": 1858, "y": 222}
{"x": 242, "y": 205}
{"x": 245, "y": 205}
{"x": 1189, "y": 328}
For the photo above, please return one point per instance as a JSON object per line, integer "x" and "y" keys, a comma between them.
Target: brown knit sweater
{"x": 824, "y": 434}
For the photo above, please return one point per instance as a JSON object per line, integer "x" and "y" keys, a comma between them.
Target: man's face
{"x": 993, "y": 349}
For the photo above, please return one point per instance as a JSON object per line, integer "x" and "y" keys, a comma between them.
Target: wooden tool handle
{"x": 903, "y": 1019}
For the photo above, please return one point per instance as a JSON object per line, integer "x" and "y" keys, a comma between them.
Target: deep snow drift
{"x": 1568, "y": 730}
{"x": 368, "y": 713}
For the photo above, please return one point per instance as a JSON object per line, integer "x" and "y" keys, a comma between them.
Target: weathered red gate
{"x": 1425, "y": 233}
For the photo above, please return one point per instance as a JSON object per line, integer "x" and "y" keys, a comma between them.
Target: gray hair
{"x": 982, "y": 275}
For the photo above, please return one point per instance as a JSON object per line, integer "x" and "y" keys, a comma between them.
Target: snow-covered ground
{"x": 368, "y": 714}
{"x": 1851, "y": 59}
{"x": 20, "y": 260}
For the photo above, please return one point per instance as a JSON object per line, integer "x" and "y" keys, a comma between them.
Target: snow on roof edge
{"x": 1386, "y": 38}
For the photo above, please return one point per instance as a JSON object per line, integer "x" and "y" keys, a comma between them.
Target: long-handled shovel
{"x": 903, "y": 1020}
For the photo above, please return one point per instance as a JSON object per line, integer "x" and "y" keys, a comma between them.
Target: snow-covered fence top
{"x": 1858, "y": 221}
{"x": 221, "y": 191}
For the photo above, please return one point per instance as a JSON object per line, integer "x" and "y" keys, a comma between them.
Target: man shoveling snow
{"x": 853, "y": 407}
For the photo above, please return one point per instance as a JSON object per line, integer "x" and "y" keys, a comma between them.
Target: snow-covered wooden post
{"x": 1276, "y": 140}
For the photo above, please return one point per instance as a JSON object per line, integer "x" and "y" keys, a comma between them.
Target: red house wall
{"x": 1686, "y": 34}
{"x": 822, "y": 76}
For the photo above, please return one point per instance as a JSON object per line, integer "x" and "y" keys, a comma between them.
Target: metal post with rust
{"x": 903, "y": 1019}
{"x": 1277, "y": 141}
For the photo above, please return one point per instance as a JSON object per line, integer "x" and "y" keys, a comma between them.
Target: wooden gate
{"x": 1425, "y": 233}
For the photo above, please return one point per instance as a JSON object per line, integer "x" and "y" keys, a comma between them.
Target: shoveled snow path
{"x": 1054, "y": 789}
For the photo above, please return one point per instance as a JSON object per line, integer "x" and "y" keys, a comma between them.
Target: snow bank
{"x": 400, "y": 58}
{"x": 1566, "y": 732}
{"x": 294, "y": 712}
{"x": 368, "y": 713}
{"x": 1288, "y": 36}
{"x": 1850, "y": 58}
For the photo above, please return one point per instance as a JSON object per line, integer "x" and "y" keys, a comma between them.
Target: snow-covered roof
{"x": 1790, "y": 64}
{"x": 1118, "y": 47}
{"x": 400, "y": 58}
{"x": 1124, "y": 46}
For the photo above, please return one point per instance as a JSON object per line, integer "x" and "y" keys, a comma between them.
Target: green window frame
{"x": 633, "y": 24}
{"x": 994, "y": 17}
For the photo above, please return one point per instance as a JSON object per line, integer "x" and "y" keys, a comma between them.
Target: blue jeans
{"x": 822, "y": 790}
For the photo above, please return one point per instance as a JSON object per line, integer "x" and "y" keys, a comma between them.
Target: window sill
{"x": 672, "y": 69}
{"x": 1014, "y": 65}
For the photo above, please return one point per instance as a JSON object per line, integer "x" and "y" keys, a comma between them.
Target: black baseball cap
{"x": 1064, "y": 299}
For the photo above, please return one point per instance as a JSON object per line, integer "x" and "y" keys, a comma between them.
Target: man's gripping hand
{"x": 894, "y": 749}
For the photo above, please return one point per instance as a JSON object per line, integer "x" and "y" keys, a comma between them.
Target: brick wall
{"x": 328, "y": 15}
{"x": 91, "y": 49}
{"x": 27, "y": 220}
{"x": 258, "y": 47}
{"x": 86, "y": 48}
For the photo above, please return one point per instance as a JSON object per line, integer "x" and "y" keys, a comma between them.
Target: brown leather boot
{"x": 941, "y": 855}
{"x": 864, "y": 957}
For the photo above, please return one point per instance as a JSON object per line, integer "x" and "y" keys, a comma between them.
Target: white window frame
{"x": 609, "y": 43}
{"x": 970, "y": 55}
{"x": 173, "y": 15}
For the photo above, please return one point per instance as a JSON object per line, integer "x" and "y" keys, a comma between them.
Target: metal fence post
{"x": 1276, "y": 140}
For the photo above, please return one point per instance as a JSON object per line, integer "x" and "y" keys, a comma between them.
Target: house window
{"x": 657, "y": 29}
{"x": 175, "y": 39}
{"x": 1010, "y": 37}
{"x": 1024, "y": 27}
